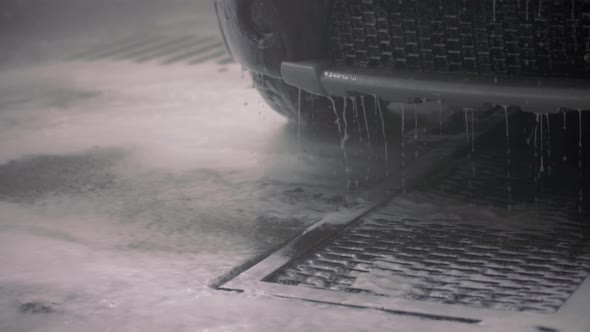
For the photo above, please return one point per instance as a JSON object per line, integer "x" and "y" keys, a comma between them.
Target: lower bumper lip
{"x": 530, "y": 94}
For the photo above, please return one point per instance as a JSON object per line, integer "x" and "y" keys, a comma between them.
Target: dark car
{"x": 534, "y": 55}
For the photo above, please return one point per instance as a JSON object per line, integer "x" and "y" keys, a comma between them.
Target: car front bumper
{"x": 534, "y": 94}
{"x": 286, "y": 39}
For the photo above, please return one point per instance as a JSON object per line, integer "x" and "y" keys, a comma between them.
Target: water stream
{"x": 378, "y": 108}
{"x": 299, "y": 118}
{"x": 581, "y": 191}
{"x": 508, "y": 160}
{"x": 403, "y": 152}
{"x": 342, "y": 141}
{"x": 366, "y": 121}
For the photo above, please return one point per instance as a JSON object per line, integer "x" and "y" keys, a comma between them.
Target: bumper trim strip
{"x": 547, "y": 95}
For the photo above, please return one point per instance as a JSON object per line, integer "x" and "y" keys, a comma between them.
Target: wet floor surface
{"x": 117, "y": 186}
{"x": 128, "y": 187}
{"x": 137, "y": 170}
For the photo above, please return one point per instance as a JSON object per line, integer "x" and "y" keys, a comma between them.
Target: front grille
{"x": 536, "y": 38}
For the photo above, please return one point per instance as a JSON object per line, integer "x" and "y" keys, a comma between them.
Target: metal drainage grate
{"x": 447, "y": 261}
{"x": 529, "y": 259}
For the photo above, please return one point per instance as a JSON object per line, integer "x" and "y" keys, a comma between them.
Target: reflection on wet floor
{"x": 33, "y": 178}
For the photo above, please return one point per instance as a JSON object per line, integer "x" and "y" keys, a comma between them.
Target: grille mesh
{"x": 493, "y": 37}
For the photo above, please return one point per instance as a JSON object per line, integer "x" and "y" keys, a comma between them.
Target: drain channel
{"x": 454, "y": 241}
